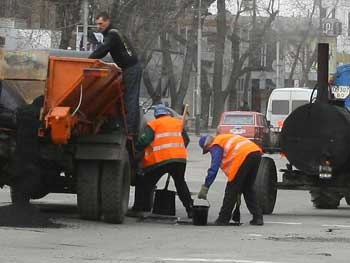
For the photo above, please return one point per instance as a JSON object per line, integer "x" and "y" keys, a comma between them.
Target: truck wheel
{"x": 88, "y": 189}
{"x": 29, "y": 187}
{"x": 347, "y": 199}
{"x": 115, "y": 190}
{"x": 18, "y": 197}
{"x": 323, "y": 199}
{"x": 265, "y": 185}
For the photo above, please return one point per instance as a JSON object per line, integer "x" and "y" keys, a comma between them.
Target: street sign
{"x": 331, "y": 27}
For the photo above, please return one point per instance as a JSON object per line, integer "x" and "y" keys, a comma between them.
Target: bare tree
{"x": 300, "y": 51}
{"x": 258, "y": 28}
{"x": 219, "y": 96}
{"x": 68, "y": 17}
{"x": 160, "y": 23}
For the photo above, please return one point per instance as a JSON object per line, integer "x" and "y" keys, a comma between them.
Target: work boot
{"x": 134, "y": 213}
{"x": 189, "y": 212}
{"x": 220, "y": 222}
{"x": 236, "y": 216}
{"x": 257, "y": 221}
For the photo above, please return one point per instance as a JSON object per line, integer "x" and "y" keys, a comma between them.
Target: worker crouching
{"x": 239, "y": 158}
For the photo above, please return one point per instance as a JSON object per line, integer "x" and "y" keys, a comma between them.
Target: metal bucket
{"x": 164, "y": 201}
{"x": 200, "y": 213}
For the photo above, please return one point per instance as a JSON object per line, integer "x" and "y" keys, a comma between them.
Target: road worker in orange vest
{"x": 164, "y": 142}
{"x": 239, "y": 158}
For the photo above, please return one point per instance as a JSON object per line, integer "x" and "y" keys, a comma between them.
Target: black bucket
{"x": 200, "y": 214}
{"x": 164, "y": 201}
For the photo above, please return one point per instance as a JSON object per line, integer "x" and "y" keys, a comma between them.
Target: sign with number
{"x": 340, "y": 92}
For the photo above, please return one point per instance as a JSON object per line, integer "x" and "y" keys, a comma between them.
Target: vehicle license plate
{"x": 237, "y": 131}
{"x": 340, "y": 92}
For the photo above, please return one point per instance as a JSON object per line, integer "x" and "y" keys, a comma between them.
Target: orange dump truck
{"x": 71, "y": 139}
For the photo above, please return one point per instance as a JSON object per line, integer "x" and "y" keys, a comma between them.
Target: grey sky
{"x": 287, "y": 7}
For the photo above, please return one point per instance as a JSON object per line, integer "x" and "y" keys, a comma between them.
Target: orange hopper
{"x": 79, "y": 94}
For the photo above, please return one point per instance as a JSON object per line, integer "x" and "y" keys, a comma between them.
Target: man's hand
{"x": 203, "y": 192}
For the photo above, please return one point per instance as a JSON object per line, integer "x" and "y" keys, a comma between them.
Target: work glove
{"x": 203, "y": 192}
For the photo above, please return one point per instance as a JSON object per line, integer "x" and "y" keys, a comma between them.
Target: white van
{"x": 281, "y": 103}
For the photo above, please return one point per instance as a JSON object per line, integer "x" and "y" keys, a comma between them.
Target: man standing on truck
{"x": 164, "y": 142}
{"x": 239, "y": 158}
{"x": 123, "y": 54}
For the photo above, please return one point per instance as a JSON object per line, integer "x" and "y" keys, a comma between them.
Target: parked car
{"x": 250, "y": 124}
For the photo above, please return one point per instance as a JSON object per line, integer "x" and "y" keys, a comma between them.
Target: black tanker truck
{"x": 315, "y": 139}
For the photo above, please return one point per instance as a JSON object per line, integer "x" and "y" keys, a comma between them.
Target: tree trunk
{"x": 206, "y": 96}
{"x": 232, "y": 99}
{"x": 168, "y": 67}
{"x": 191, "y": 48}
{"x": 219, "y": 107}
{"x": 232, "y": 85}
{"x": 246, "y": 89}
{"x": 218, "y": 61}
{"x": 295, "y": 62}
{"x": 68, "y": 17}
{"x": 309, "y": 62}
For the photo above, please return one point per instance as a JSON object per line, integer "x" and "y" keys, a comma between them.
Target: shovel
{"x": 164, "y": 201}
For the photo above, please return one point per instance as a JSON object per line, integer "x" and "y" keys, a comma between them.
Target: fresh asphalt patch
{"x": 26, "y": 216}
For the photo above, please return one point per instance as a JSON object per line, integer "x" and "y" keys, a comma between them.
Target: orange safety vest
{"x": 167, "y": 143}
{"x": 236, "y": 149}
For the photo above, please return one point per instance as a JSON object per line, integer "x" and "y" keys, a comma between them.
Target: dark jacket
{"x": 118, "y": 46}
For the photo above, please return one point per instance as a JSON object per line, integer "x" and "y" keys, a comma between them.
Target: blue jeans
{"x": 132, "y": 81}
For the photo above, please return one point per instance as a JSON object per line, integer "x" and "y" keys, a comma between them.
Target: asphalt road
{"x": 295, "y": 232}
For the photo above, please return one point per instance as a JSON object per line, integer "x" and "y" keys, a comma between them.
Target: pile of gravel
{"x": 25, "y": 216}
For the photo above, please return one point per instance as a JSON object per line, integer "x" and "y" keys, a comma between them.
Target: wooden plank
{"x": 23, "y": 65}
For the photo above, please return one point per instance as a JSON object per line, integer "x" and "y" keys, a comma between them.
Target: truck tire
{"x": 30, "y": 186}
{"x": 115, "y": 190}
{"x": 323, "y": 199}
{"x": 265, "y": 185}
{"x": 18, "y": 197}
{"x": 88, "y": 189}
{"x": 347, "y": 199}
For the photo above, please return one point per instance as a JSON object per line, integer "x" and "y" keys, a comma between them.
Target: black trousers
{"x": 132, "y": 79}
{"x": 243, "y": 183}
{"x": 145, "y": 185}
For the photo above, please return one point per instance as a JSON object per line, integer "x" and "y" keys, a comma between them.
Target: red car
{"x": 250, "y": 124}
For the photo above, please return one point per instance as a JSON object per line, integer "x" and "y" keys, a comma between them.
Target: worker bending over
{"x": 239, "y": 158}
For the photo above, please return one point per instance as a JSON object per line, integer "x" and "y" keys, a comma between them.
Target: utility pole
{"x": 197, "y": 94}
{"x": 278, "y": 54}
{"x": 85, "y": 22}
